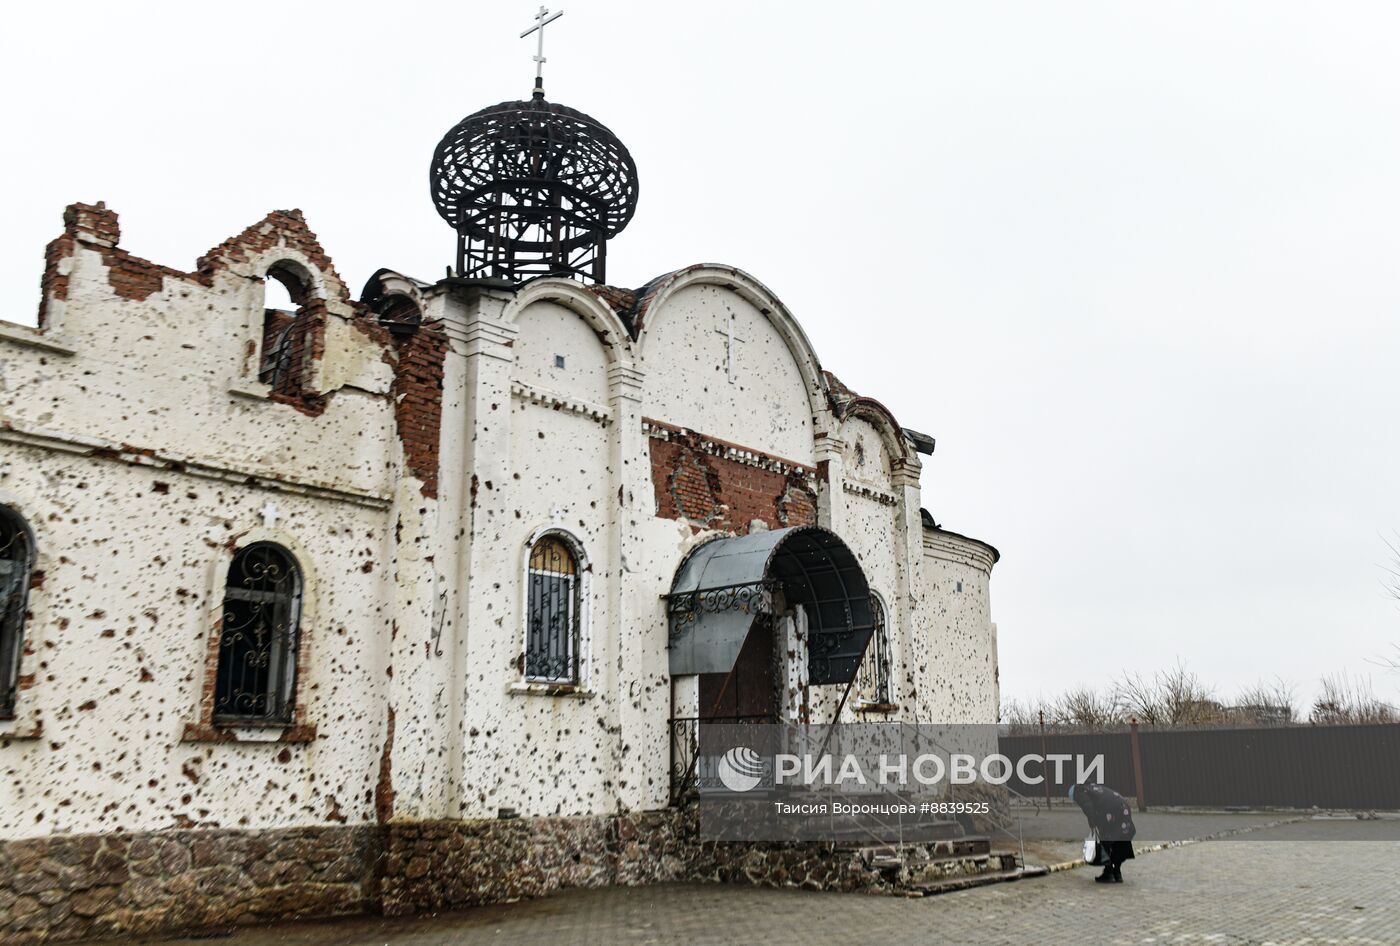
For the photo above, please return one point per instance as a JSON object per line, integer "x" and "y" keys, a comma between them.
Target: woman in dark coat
{"x": 1110, "y": 817}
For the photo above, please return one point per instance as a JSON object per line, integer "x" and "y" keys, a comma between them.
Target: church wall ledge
{"x": 249, "y": 735}
{"x": 99, "y": 448}
{"x": 559, "y": 402}
{"x": 571, "y": 690}
{"x": 660, "y": 430}
{"x": 952, "y": 547}
{"x": 26, "y": 336}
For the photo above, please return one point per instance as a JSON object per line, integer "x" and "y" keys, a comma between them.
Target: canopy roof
{"x": 725, "y": 584}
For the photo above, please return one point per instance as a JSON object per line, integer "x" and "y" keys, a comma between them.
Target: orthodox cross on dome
{"x": 729, "y": 339}
{"x": 541, "y": 19}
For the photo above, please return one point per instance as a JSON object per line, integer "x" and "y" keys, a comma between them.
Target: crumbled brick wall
{"x": 717, "y": 485}
{"x": 80, "y": 886}
{"x": 418, "y": 402}
{"x": 132, "y": 277}
{"x": 306, "y": 344}
{"x": 53, "y": 285}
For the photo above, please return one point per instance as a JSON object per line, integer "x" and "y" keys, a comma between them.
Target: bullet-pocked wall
{"x": 144, "y": 452}
{"x": 407, "y": 452}
{"x": 542, "y": 739}
{"x": 962, "y": 675}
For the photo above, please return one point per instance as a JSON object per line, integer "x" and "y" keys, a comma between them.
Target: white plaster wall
{"x": 141, "y": 453}
{"x": 525, "y": 445}
{"x": 119, "y": 637}
{"x": 548, "y": 329}
{"x": 157, "y": 374}
{"x": 684, "y": 355}
{"x": 868, "y": 520}
{"x": 537, "y": 752}
{"x": 960, "y": 677}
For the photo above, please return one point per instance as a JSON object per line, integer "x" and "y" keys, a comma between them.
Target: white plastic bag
{"x": 1091, "y": 849}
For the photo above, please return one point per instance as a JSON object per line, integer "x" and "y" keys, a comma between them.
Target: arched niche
{"x": 723, "y": 357}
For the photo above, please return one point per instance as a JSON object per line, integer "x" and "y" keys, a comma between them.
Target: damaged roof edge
{"x": 927, "y": 518}
{"x": 922, "y": 442}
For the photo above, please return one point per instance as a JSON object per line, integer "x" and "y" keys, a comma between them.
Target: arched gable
{"x": 602, "y": 320}
{"x": 878, "y": 417}
{"x": 281, "y": 240}
{"x": 725, "y": 357}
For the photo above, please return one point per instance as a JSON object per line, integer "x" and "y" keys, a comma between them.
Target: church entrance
{"x": 756, "y": 621}
{"x": 749, "y": 692}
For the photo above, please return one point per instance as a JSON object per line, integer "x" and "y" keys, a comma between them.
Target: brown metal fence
{"x": 1283, "y": 767}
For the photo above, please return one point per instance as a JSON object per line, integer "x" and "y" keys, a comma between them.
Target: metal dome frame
{"x": 533, "y": 188}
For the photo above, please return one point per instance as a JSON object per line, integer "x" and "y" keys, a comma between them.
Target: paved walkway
{"x": 1057, "y": 834}
{"x": 1223, "y": 893}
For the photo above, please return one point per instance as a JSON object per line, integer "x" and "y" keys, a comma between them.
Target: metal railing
{"x": 685, "y": 750}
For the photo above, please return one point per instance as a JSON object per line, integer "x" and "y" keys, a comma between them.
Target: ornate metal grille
{"x": 554, "y": 611}
{"x": 16, "y": 565}
{"x": 685, "y": 607}
{"x": 686, "y": 774}
{"x": 256, "y": 681}
{"x": 873, "y": 678}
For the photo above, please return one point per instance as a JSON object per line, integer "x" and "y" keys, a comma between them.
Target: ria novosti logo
{"x": 741, "y": 769}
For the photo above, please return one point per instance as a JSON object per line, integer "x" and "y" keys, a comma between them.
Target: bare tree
{"x": 1391, "y": 581}
{"x": 1021, "y": 717}
{"x": 1267, "y": 703}
{"x": 1085, "y": 708}
{"x": 1140, "y": 699}
{"x": 1349, "y": 701}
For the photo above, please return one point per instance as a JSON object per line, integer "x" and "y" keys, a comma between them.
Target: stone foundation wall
{"x": 87, "y": 886}
{"x": 80, "y": 887}
{"x": 444, "y": 865}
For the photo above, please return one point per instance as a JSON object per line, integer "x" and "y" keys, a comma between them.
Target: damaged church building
{"x": 414, "y": 599}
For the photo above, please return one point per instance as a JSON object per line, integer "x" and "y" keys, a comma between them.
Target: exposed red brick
{"x": 417, "y": 393}
{"x": 53, "y": 284}
{"x": 278, "y": 228}
{"x": 94, "y": 221}
{"x": 132, "y": 277}
{"x": 693, "y": 480}
{"x": 307, "y": 345}
{"x": 384, "y": 788}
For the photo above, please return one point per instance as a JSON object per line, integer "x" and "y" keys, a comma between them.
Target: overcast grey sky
{"x": 1133, "y": 264}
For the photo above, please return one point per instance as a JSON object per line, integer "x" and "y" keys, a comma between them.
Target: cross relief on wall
{"x": 729, "y": 339}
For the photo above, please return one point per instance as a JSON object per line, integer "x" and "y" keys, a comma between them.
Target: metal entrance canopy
{"x": 725, "y": 584}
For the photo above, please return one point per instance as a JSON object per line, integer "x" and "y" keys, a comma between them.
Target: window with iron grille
{"x": 553, "y": 616}
{"x": 256, "y": 676}
{"x": 873, "y": 678}
{"x": 16, "y": 566}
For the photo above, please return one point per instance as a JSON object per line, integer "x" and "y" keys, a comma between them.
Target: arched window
{"x": 16, "y": 566}
{"x": 873, "y": 678}
{"x": 256, "y": 675}
{"x": 553, "y": 615}
{"x": 284, "y": 328}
